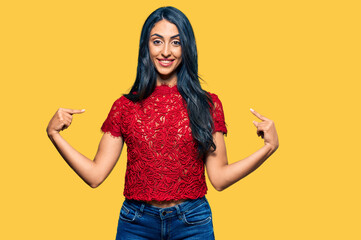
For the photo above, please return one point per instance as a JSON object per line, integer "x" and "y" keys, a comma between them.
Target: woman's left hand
{"x": 267, "y": 130}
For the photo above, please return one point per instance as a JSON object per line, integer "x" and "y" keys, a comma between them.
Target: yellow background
{"x": 296, "y": 62}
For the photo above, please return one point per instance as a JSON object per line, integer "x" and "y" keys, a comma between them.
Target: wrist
{"x": 271, "y": 147}
{"x": 51, "y": 134}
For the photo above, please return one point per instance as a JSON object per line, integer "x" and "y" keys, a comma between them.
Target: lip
{"x": 165, "y": 64}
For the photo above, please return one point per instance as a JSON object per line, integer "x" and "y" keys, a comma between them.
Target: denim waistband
{"x": 178, "y": 209}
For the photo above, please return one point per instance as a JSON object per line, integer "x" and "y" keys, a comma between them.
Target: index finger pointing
{"x": 73, "y": 111}
{"x": 263, "y": 118}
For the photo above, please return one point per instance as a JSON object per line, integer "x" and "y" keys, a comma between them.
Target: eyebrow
{"x": 163, "y": 37}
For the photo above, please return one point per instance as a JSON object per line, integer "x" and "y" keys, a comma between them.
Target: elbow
{"x": 219, "y": 187}
{"x": 95, "y": 180}
{"x": 94, "y": 184}
{"x": 220, "y": 183}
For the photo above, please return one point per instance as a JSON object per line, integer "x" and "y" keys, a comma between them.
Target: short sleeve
{"x": 112, "y": 122}
{"x": 218, "y": 115}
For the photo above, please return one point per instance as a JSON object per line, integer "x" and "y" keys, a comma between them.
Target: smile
{"x": 165, "y": 62}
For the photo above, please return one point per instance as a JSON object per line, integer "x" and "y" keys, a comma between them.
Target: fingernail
{"x": 251, "y": 109}
{"x": 83, "y": 110}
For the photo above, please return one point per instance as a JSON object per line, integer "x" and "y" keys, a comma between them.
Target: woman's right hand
{"x": 61, "y": 120}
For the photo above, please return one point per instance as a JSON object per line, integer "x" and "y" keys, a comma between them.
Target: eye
{"x": 178, "y": 43}
{"x": 157, "y": 42}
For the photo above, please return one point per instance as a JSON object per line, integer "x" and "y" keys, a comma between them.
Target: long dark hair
{"x": 199, "y": 102}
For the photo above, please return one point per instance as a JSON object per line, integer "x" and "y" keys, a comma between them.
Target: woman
{"x": 172, "y": 128}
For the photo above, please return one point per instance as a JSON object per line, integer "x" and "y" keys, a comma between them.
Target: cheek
{"x": 179, "y": 53}
{"x": 152, "y": 56}
{"x": 152, "y": 53}
{"x": 179, "y": 56}
{"x": 153, "y": 50}
{"x": 179, "y": 61}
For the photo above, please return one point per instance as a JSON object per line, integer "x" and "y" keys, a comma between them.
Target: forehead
{"x": 164, "y": 28}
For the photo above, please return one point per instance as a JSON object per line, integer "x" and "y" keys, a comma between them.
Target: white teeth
{"x": 165, "y": 61}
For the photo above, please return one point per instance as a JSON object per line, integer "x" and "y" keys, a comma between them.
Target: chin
{"x": 165, "y": 73}
{"x": 165, "y": 76}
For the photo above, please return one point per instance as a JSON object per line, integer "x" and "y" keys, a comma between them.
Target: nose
{"x": 166, "y": 50}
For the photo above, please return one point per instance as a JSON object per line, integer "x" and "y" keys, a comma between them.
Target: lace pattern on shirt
{"x": 163, "y": 162}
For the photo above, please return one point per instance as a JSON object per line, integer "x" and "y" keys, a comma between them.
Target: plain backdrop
{"x": 295, "y": 62}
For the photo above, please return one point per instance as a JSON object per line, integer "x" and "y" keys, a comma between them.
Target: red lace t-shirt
{"x": 163, "y": 161}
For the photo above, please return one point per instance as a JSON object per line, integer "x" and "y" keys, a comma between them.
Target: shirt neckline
{"x": 164, "y": 88}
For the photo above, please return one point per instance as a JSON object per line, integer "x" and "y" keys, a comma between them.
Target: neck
{"x": 167, "y": 80}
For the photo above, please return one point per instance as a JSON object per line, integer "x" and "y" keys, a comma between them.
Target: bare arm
{"x": 92, "y": 172}
{"x": 222, "y": 175}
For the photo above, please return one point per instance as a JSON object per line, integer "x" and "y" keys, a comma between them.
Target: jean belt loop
{"x": 178, "y": 209}
{"x": 142, "y": 207}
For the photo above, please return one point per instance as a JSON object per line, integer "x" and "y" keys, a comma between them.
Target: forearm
{"x": 232, "y": 173}
{"x": 83, "y": 166}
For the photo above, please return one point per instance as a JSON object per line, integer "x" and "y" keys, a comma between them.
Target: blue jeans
{"x": 189, "y": 220}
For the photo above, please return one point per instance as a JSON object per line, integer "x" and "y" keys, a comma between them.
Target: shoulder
{"x": 122, "y": 101}
{"x": 121, "y": 104}
{"x": 215, "y": 98}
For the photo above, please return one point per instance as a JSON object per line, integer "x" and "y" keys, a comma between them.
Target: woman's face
{"x": 165, "y": 49}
